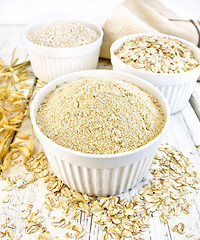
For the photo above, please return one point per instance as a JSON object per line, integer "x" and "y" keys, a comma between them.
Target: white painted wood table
{"x": 183, "y": 133}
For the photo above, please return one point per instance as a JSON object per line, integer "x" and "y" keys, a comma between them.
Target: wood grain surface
{"x": 183, "y": 133}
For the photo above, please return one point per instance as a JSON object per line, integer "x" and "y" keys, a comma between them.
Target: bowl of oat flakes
{"x": 100, "y": 129}
{"x": 60, "y": 46}
{"x": 169, "y": 63}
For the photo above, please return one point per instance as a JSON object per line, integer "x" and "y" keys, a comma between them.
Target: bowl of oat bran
{"x": 60, "y": 46}
{"x": 100, "y": 129}
{"x": 169, "y": 63}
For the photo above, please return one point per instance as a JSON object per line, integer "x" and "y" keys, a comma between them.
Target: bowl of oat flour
{"x": 60, "y": 46}
{"x": 100, "y": 129}
{"x": 169, "y": 63}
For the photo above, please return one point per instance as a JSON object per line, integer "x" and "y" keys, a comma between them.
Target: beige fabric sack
{"x": 136, "y": 16}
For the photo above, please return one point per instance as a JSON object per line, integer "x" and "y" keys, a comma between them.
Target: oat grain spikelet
{"x": 100, "y": 116}
{"x": 13, "y": 108}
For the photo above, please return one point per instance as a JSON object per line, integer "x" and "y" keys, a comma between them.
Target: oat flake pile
{"x": 100, "y": 116}
{"x": 157, "y": 54}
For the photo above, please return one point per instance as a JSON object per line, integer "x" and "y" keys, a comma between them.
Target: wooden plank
{"x": 11, "y": 37}
{"x": 195, "y": 99}
{"x": 183, "y": 133}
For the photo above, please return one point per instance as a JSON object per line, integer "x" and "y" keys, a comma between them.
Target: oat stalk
{"x": 13, "y": 105}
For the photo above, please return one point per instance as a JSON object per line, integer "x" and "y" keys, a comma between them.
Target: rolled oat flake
{"x": 157, "y": 54}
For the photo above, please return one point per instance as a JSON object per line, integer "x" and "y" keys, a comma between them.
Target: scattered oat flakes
{"x": 9, "y": 234}
{"x": 189, "y": 235}
{"x": 6, "y": 198}
{"x": 179, "y": 228}
{"x": 32, "y": 228}
{"x": 2, "y": 233}
{"x": 58, "y": 222}
{"x": 69, "y": 235}
{"x": 33, "y": 222}
{"x": 44, "y": 236}
{"x": 7, "y": 188}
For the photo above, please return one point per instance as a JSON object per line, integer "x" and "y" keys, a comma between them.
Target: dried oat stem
{"x": 13, "y": 105}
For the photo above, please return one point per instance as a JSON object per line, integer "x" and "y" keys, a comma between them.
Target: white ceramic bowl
{"x": 177, "y": 87}
{"x": 49, "y": 63}
{"x": 97, "y": 174}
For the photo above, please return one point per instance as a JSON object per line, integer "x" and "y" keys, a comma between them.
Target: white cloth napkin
{"x": 137, "y": 16}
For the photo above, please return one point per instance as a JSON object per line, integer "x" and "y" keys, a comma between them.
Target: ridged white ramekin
{"x": 49, "y": 63}
{"x": 97, "y": 174}
{"x": 177, "y": 87}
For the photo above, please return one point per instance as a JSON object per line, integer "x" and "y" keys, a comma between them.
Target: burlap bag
{"x": 136, "y": 16}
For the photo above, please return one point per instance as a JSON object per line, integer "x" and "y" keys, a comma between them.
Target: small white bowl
{"x": 176, "y": 87}
{"x": 49, "y": 62}
{"x": 97, "y": 174}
